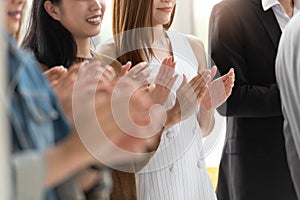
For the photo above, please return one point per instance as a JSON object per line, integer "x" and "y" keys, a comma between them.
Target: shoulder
{"x": 235, "y": 9}
{"x": 198, "y": 49}
{"x": 195, "y": 42}
{"x": 232, "y": 5}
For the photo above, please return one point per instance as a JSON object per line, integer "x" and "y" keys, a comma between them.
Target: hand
{"x": 218, "y": 90}
{"x": 127, "y": 89}
{"x": 104, "y": 121}
{"x": 63, "y": 87}
{"x": 188, "y": 97}
{"x": 164, "y": 81}
{"x": 55, "y": 73}
{"x": 108, "y": 76}
{"x": 87, "y": 77}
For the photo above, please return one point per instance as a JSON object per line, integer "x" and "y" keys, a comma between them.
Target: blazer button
{"x": 200, "y": 164}
{"x": 170, "y": 134}
{"x": 172, "y": 168}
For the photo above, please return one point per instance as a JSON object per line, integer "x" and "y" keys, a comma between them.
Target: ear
{"x": 52, "y": 10}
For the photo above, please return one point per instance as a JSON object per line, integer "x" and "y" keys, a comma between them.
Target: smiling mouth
{"x": 15, "y": 14}
{"x": 94, "y": 20}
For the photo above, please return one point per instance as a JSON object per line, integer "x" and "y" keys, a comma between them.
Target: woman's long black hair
{"x": 51, "y": 43}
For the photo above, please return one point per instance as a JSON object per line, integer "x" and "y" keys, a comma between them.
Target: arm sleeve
{"x": 226, "y": 47}
{"x": 28, "y": 172}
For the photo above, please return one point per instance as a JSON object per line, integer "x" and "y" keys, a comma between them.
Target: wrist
{"x": 76, "y": 151}
{"x": 173, "y": 118}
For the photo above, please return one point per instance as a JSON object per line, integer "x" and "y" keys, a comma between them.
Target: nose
{"x": 97, "y": 5}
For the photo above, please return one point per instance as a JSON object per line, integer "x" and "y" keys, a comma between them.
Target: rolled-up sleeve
{"x": 28, "y": 171}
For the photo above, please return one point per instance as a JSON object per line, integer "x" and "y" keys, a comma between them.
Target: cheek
{"x": 103, "y": 9}
{"x": 103, "y": 5}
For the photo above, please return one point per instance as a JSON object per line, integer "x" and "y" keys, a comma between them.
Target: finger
{"x": 172, "y": 82}
{"x": 166, "y": 69}
{"x": 142, "y": 74}
{"x": 55, "y": 73}
{"x": 165, "y": 61}
{"x": 137, "y": 69}
{"x": 91, "y": 71}
{"x": 79, "y": 65}
{"x": 125, "y": 68}
{"x": 161, "y": 74}
{"x": 207, "y": 74}
{"x": 230, "y": 73}
{"x": 197, "y": 80}
{"x": 70, "y": 77}
{"x": 229, "y": 85}
{"x": 54, "y": 70}
{"x": 54, "y": 83}
{"x": 165, "y": 75}
{"x": 213, "y": 70}
{"x": 200, "y": 90}
{"x": 228, "y": 90}
{"x": 184, "y": 81}
{"x": 110, "y": 73}
{"x": 231, "y": 70}
{"x": 201, "y": 94}
{"x": 199, "y": 83}
{"x": 173, "y": 64}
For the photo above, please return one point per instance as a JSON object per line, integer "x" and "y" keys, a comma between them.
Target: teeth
{"x": 96, "y": 19}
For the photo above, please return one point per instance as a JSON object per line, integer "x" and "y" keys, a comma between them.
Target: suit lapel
{"x": 269, "y": 21}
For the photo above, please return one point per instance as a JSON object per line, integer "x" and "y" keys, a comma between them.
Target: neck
{"x": 83, "y": 47}
{"x": 161, "y": 44}
{"x": 288, "y": 6}
{"x": 158, "y": 32}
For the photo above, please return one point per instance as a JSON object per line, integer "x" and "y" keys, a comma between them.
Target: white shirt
{"x": 280, "y": 14}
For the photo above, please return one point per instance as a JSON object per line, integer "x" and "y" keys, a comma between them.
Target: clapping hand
{"x": 188, "y": 96}
{"x": 218, "y": 90}
{"x": 164, "y": 81}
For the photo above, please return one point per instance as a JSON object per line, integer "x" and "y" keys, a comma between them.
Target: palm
{"x": 164, "y": 81}
{"x": 218, "y": 91}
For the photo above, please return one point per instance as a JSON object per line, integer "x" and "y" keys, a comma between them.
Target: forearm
{"x": 206, "y": 120}
{"x": 65, "y": 160}
{"x": 252, "y": 101}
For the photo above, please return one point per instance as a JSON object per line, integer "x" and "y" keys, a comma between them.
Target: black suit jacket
{"x": 253, "y": 164}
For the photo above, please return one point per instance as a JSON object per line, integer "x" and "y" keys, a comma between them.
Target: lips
{"x": 15, "y": 14}
{"x": 94, "y": 20}
{"x": 165, "y": 9}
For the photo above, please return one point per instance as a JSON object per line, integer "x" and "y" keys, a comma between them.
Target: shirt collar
{"x": 267, "y": 4}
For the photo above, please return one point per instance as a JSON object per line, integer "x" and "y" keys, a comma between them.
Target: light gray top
{"x": 288, "y": 78}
